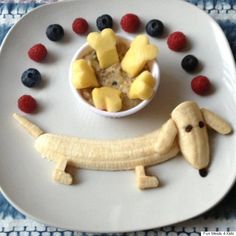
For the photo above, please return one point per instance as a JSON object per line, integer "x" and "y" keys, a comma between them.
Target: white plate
{"x": 110, "y": 201}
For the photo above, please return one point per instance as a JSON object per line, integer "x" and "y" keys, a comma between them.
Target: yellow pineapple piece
{"x": 104, "y": 44}
{"x": 106, "y": 98}
{"x": 139, "y": 53}
{"x": 142, "y": 87}
{"x": 83, "y": 75}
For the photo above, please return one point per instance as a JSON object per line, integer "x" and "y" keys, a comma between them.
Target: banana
{"x": 110, "y": 155}
{"x": 185, "y": 131}
{"x": 168, "y": 133}
{"x": 216, "y": 122}
{"x": 102, "y": 155}
{"x": 31, "y": 128}
{"x": 191, "y": 124}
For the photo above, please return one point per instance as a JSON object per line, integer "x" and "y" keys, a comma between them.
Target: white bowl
{"x": 153, "y": 68}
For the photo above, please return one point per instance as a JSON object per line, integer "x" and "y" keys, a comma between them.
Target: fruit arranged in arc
{"x": 200, "y": 85}
{"x": 55, "y": 32}
{"x": 80, "y": 25}
{"x": 37, "y": 52}
{"x": 189, "y": 63}
{"x": 130, "y": 23}
{"x": 177, "y": 41}
{"x": 31, "y": 77}
{"x": 27, "y": 104}
{"x": 154, "y": 28}
{"x": 104, "y": 21}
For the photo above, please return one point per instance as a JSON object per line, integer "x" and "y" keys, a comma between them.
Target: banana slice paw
{"x": 143, "y": 181}
{"x": 62, "y": 177}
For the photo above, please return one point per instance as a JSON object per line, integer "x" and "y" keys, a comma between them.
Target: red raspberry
{"x": 27, "y": 104}
{"x": 176, "y": 41}
{"x": 80, "y": 26}
{"x": 38, "y": 52}
{"x": 130, "y": 23}
{"x": 200, "y": 84}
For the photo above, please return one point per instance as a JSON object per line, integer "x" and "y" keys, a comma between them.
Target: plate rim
{"x": 230, "y": 186}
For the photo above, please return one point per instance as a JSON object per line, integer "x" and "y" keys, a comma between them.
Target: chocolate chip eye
{"x": 188, "y": 128}
{"x": 201, "y": 124}
{"x": 114, "y": 83}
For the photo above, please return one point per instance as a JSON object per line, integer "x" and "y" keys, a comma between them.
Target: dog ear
{"x": 166, "y": 137}
{"x": 215, "y": 122}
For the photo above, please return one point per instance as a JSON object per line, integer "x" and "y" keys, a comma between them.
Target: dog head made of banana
{"x": 189, "y": 124}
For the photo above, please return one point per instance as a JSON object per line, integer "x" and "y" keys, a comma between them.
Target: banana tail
{"x": 31, "y": 128}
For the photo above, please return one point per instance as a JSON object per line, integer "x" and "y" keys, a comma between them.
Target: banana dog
{"x": 185, "y": 131}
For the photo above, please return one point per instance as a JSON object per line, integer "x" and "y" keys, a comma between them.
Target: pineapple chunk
{"x": 104, "y": 44}
{"x": 106, "y": 98}
{"x": 142, "y": 87}
{"x": 83, "y": 75}
{"x": 139, "y": 53}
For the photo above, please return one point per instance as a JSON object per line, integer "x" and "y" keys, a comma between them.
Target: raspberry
{"x": 38, "y": 52}
{"x": 80, "y": 26}
{"x": 27, "y": 104}
{"x": 200, "y": 84}
{"x": 130, "y": 23}
{"x": 176, "y": 41}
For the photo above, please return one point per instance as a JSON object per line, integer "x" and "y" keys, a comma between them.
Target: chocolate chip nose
{"x": 203, "y": 172}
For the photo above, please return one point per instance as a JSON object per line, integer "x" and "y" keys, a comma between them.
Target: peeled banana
{"x": 185, "y": 131}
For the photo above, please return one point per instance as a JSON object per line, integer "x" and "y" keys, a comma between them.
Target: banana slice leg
{"x": 59, "y": 174}
{"x": 144, "y": 181}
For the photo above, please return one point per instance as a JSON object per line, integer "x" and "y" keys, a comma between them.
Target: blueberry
{"x": 154, "y": 28}
{"x": 189, "y": 63}
{"x": 104, "y": 21}
{"x": 31, "y": 77}
{"x": 55, "y": 32}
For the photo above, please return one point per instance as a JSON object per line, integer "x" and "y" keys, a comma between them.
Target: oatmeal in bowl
{"x": 113, "y": 75}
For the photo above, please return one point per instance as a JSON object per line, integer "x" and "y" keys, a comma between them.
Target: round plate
{"x": 110, "y": 201}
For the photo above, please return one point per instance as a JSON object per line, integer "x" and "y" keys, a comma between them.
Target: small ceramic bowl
{"x": 153, "y": 68}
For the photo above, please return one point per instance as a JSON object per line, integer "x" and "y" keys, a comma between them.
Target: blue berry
{"x": 189, "y": 63}
{"x": 154, "y": 28}
{"x": 31, "y": 77}
{"x": 104, "y": 21}
{"x": 55, "y": 32}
